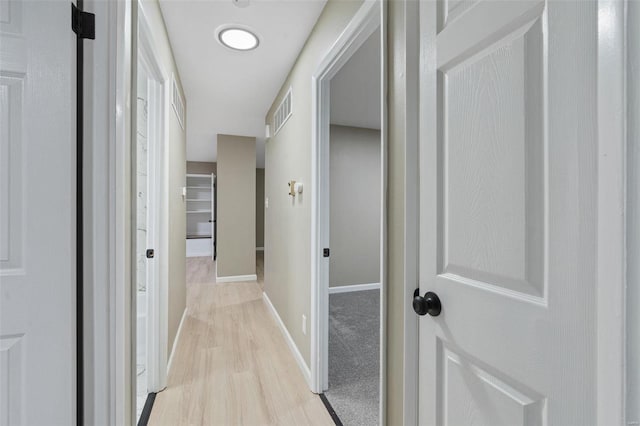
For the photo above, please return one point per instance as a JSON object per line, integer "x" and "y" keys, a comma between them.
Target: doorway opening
{"x": 349, "y": 223}
{"x": 201, "y": 213}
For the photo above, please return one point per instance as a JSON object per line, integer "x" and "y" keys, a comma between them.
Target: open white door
{"x": 37, "y": 214}
{"x": 508, "y": 212}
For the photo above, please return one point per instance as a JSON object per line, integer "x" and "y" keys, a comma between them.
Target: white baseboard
{"x": 259, "y": 248}
{"x": 236, "y": 278}
{"x": 304, "y": 368}
{"x": 356, "y": 287}
{"x": 175, "y": 341}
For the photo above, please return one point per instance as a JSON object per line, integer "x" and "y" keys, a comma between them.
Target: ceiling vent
{"x": 177, "y": 102}
{"x": 282, "y": 114}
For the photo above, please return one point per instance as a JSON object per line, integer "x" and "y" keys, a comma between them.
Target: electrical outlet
{"x": 304, "y": 324}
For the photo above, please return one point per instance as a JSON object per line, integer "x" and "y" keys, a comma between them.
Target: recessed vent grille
{"x": 177, "y": 103}
{"x": 283, "y": 113}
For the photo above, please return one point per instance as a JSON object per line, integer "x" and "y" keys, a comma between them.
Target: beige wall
{"x": 236, "y": 210}
{"x": 288, "y": 156}
{"x": 201, "y": 167}
{"x": 355, "y": 206}
{"x": 176, "y": 153}
{"x": 402, "y": 63}
{"x": 259, "y": 207}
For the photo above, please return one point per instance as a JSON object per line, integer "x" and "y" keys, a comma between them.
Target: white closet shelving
{"x": 200, "y": 215}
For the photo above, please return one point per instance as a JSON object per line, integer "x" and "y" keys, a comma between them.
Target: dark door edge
{"x": 146, "y": 411}
{"x": 332, "y": 412}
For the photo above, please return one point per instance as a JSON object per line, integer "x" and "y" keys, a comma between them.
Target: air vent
{"x": 283, "y": 113}
{"x": 177, "y": 102}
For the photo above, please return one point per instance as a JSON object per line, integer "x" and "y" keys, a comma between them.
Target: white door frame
{"x": 368, "y": 18}
{"x": 612, "y": 211}
{"x": 108, "y": 85}
{"x": 611, "y": 163}
{"x": 157, "y": 276}
{"x": 633, "y": 209}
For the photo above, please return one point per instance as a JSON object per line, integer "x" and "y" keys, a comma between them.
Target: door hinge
{"x": 326, "y": 252}
{"x": 83, "y": 23}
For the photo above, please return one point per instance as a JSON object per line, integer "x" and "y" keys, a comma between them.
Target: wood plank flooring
{"x": 232, "y": 365}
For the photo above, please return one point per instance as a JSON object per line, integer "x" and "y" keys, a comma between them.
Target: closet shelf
{"x": 197, "y": 237}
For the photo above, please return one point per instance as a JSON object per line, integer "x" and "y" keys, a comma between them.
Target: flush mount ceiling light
{"x": 237, "y": 38}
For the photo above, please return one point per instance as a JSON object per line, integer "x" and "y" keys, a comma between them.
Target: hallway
{"x": 232, "y": 364}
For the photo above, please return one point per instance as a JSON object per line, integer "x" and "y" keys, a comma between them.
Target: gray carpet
{"x": 354, "y": 356}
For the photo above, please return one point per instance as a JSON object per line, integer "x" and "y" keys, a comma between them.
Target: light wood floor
{"x": 232, "y": 365}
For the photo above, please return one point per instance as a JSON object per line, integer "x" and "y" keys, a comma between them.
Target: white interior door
{"x": 37, "y": 213}
{"x": 144, "y": 236}
{"x": 508, "y": 212}
{"x": 151, "y": 363}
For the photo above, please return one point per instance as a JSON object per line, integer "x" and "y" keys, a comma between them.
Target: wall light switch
{"x": 184, "y": 192}
{"x": 266, "y": 203}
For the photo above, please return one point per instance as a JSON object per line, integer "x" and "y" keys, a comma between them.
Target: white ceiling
{"x": 355, "y": 89}
{"x": 230, "y": 92}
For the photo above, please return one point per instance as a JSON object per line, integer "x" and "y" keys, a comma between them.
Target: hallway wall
{"x": 236, "y": 209}
{"x": 176, "y": 165}
{"x": 288, "y": 156}
{"x": 259, "y": 207}
{"x": 402, "y": 69}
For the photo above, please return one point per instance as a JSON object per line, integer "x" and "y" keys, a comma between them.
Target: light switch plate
{"x": 266, "y": 203}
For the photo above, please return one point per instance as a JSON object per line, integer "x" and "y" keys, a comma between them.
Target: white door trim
{"x": 108, "y": 73}
{"x": 368, "y": 18}
{"x": 120, "y": 217}
{"x": 384, "y": 188}
{"x": 632, "y": 318}
{"x": 612, "y": 172}
{"x": 158, "y": 290}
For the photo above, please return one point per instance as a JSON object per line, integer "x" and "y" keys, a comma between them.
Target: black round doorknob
{"x": 429, "y": 304}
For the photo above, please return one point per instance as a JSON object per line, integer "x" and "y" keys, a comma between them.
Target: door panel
{"x": 37, "y": 219}
{"x": 508, "y": 177}
{"x": 493, "y": 188}
{"x": 472, "y": 395}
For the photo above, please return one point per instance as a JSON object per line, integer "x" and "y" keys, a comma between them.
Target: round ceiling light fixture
{"x": 238, "y": 38}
